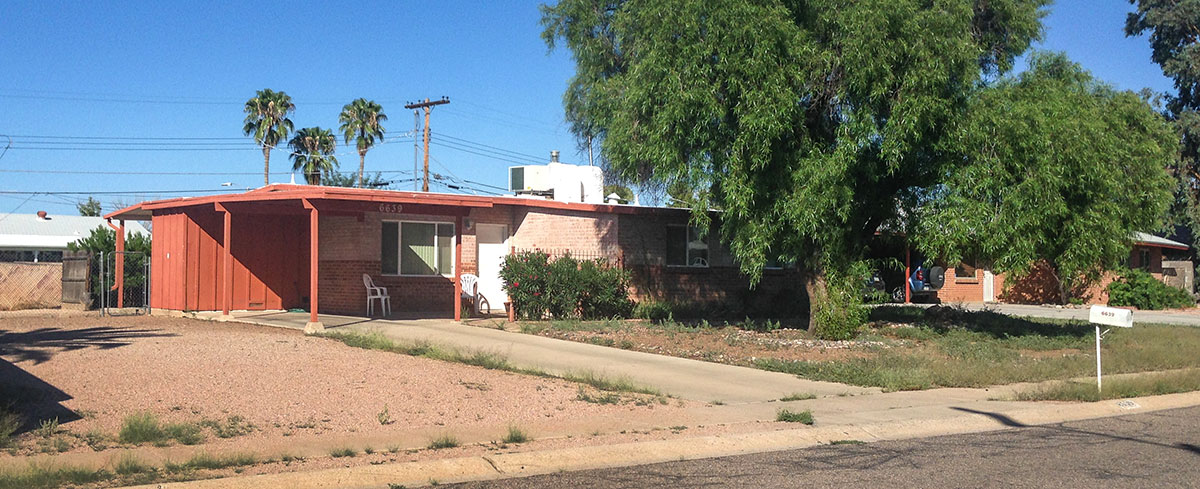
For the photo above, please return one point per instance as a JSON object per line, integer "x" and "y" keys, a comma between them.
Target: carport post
{"x": 907, "y": 273}
{"x": 314, "y": 238}
{"x": 226, "y": 265}
{"x": 458, "y": 223}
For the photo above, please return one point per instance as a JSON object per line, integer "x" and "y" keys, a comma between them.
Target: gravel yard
{"x": 289, "y": 387}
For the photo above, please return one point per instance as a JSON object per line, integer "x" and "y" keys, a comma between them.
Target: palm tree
{"x": 267, "y": 119}
{"x": 362, "y": 120}
{"x": 312, "y": 151}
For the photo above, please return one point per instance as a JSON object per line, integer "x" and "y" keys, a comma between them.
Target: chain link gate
{"x": 135, "y": 298}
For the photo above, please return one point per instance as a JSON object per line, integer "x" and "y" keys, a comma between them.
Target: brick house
{"x": 966, "y": 283}
{"x": 298, "y": 246}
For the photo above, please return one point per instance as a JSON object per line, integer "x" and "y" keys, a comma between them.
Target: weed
{"x": 212, "y": 462}
{"x": 789, "y": 416}
{"x": 47, "y": 428}
{"x": 39, "y": 476}
{"x": 625, "y": 345}
{"x": 10, "y": 422}
{"x": 847, "y": 442}
{"x": 128, "y": 464}
{"x": 515, "y": 435}
{"x": 185, "y": 433}
{"x": 717, "y": 402}
{"x": 601, "y": 341}
{"x": 141, "y": 428}
{"x": 396, "y": 486}
{"x": 796, "y": 396}
{"x": 385, "y": 417}
{"x": 369, "y": 451}
{"x": 620, "y": 384}
{"x": 678, "y": 428}
{"x": 444, "y": 441}
{"x": 343, "y": 452}
{"x": 96, "y": 439}
{"x": 393, "y": 448}
{"x": 231, "y": 427}
{"x": 585, "y": 396}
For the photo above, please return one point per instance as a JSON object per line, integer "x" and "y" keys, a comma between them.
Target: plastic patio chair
{"x": 470, "y": 290}
{"x": 373, "y": 293}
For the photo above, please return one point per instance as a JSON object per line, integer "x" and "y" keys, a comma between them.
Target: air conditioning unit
{"x": 529, "y": 179}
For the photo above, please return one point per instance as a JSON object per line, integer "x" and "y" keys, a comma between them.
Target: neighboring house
{"x": 289, "y": 246}
{"x": 42, "y": 237}
{"x": 967, "y": 283}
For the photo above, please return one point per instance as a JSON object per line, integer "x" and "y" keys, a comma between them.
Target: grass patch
{"x": 620, "y": 384}
{"x": 343, "y": 452}
{"x": 213, "y": 462}
{"x": 185, "y": 433}
{"x": 141, "y": 428}
{"x": 1152, "y": 384}
{"x": 229, "y": 428}
{"x": 847, "y": 442}
{"x": 45, "y": 476}
{"x": 789, "y": 416}
{"x": 444, "y": 441}
{"x": 515, "y": 435}
{"x": 796, "y": 396}
{"x": 127, "y": 464}
{"x": 597, "y": 398}
{"x": 948, "y": 347}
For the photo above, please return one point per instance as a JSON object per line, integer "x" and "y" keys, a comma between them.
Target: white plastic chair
{"x": 470, "y": 290}
{"x": 381, "y": 293}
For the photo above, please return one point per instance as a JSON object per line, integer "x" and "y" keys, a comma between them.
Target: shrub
{"x": 1137, "y": 288}
{"x": 652, "y": 310}
{"x": 564, "y": 288}
{"x": 343, "y": 452}
{"x": 444, "y": 441}
{"x": 787, "y": 416}
{"x": 839, "y": 313}
{"x": 515, "y": 435}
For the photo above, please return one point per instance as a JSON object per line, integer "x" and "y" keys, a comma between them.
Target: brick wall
{"x": 966, "y": 289}
{"x": 561, "y": 229}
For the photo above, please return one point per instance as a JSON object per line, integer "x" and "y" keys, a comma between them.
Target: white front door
{"x": 492, "y": 245}
{"x": 989, "y": 286}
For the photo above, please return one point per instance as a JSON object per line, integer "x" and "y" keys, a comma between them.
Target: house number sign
{"x": 391, "y": 208}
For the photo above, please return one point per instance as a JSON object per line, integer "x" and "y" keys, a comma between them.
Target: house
{"x": 298, "y": 246}
{"x": 967, "y": 283}
{"x": 42, "y": 237}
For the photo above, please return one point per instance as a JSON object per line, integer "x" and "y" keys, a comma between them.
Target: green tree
{"x": 339, "y": 179}
{"x": 91, "y": 207}
{"x": 809, "y": 123}
{"x": 624, "y": 193}
{"x": 362, "y": 121}
{"x": 103, "y": 239}
{"x": 312, "y": 152}
{"x": 1058, "y": 167}
{"x": 267, "y": 121}
{"x": 1174, "y": 28}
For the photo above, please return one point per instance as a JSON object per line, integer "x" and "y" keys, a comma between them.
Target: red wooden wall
{"x": 270, "y": 260}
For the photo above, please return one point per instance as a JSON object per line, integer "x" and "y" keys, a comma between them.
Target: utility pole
{"x": 428, "y": 106}
{"x": 416, "y": 148}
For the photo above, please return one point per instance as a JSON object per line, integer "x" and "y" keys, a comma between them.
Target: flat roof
{"x": 27, "y": 231}
{"x": 282, "y": 192}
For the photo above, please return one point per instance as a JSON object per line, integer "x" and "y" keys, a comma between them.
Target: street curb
{"x": 415, "y": 474}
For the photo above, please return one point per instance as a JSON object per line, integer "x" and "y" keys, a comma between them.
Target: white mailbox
{"x": 1111, "y": 316}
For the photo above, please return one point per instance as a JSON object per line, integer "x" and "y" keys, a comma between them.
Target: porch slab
{"x": 685, "y": 378}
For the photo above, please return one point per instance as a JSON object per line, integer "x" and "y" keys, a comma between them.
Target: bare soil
{"x": 292, "y": 389}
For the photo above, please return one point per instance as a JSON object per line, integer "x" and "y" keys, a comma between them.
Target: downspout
{"x": 119, "y": 262}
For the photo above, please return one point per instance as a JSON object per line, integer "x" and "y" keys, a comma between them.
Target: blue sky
{"x": 184, "y": 70}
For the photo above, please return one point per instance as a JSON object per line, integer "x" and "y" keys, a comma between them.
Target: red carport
{"x": 263, "y": 249}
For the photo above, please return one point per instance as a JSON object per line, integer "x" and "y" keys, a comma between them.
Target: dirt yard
{"x": 266, "y": 389}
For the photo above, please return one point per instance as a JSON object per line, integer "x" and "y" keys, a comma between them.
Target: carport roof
{"x": 282, "y": 192}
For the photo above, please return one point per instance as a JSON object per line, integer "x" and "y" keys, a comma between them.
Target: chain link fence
{"x": 134, "y": 296}
{"x": 30, "y": 280}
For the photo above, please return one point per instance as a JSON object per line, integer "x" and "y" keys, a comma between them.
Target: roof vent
{"x": 554, "y": 156}
{"x": 41, "y": 215}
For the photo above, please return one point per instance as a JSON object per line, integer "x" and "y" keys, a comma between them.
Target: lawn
{"x": 907, "y": 348}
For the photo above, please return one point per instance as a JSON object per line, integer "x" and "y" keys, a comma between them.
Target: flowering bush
{"x": 564, "y": 287}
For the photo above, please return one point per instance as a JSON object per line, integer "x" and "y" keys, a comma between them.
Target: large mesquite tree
{"x": 1057, "y": 168}
{"x": 809, "y": 123}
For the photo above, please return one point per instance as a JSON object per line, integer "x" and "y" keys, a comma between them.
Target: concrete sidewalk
{"x": 688, "y": 379}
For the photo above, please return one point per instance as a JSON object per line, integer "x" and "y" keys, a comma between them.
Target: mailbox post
{"x": 1108, "y": 316}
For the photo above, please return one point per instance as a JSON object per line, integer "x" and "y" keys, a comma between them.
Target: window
{"x": 778, "y": 263}
{"x": 417, "y": 248}
{"x": 686, "y": 247}
{"x": 1144, "y": 259}
{"x": 965, "y": 269}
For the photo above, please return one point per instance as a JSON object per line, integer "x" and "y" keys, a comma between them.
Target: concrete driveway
{"x": 684, "y": 378}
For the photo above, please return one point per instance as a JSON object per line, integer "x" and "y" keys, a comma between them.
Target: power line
{"x": 486, "y": 146}
{"x": 494, "y": 156}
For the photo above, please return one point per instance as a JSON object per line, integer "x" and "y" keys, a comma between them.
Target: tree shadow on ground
{"x": 40, "y": 345}
{"x": 945, "y": 318}
{"x": 31, "y": 398}
{"x": 1063, "y": 428}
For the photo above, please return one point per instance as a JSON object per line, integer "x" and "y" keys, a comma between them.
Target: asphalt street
{"x": 1159, "y": 450}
